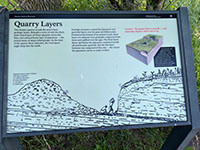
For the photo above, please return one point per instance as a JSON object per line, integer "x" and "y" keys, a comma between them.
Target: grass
{"x": 189, "y": 148}
{"x": 9, "y": 6}
{"x": 131, "y": 139}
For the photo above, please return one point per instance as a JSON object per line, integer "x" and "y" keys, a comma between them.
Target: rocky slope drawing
{"x": 44, "y": 105}
{"x": 47, "y": 96}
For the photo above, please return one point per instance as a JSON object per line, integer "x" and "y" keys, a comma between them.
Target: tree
{"x": 37, "y": 5}
{"x": 138, "y": 4}
{"x": 155, "y": 4}
{"x": 43, "y": 5}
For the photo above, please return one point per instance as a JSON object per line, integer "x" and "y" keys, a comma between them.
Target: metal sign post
{"x": 64, "y": 72}
{"x": 5, "y": 143}
{"x": 182, "y": 135}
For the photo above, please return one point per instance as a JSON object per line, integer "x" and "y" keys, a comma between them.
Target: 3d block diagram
{"x": 145, "y": 48}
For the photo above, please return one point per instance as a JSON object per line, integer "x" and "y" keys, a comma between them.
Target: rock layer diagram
{"x": 145, "y": 48}
{"x": 43, "y": 105}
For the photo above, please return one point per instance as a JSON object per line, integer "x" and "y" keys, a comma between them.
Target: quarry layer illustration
{"x": 145, "y": 48}
{"x": 154, "y": 97}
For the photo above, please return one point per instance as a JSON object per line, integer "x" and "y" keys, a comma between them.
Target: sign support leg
{"x": 10, "y": 144}
{"x": 179, "y": 138}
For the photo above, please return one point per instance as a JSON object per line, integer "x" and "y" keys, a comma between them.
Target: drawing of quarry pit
{"x": 145, "y": 48}
{"x": 154, "y": 97}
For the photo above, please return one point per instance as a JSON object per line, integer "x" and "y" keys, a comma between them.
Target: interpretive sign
{"x": 86, "y": 71}
{"x": 69, "y": 73}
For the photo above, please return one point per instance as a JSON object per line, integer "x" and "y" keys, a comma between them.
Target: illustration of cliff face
{"x": 145, "y": 48}
{"x": 159, "y": 95}
{"x": 43, "y": 105}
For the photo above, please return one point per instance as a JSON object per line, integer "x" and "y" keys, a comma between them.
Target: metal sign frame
{"x": 186, "y": 130}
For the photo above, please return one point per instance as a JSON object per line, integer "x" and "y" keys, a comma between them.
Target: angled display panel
{"x": 81, "y": 71}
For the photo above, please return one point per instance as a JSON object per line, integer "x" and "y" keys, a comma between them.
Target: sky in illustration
{"x": 92, "y": 78}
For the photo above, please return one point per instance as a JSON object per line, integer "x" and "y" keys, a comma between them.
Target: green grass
{"x": 6, "y": 4}
{"x": 132, "y": 139}
{"x": 188, "y": 148}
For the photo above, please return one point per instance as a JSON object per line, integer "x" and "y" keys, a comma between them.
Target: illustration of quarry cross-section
{"x": 154, "y": 97}
{"x": 145, "y": 48}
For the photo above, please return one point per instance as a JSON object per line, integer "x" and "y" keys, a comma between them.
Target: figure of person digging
{"x": 110, "y": 109}
{"x": 111, "y": 102}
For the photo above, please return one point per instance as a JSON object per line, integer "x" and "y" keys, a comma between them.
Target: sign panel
{"x": 90, "y": 72}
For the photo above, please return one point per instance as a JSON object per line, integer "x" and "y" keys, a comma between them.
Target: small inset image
{"x": 145, "y": 48}
{"x": 166, "y": 57}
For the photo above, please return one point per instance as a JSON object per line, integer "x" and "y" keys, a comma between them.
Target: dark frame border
{"x": 2, "y": 49}
{"x": 180, "y": 136}
{"x": 188, "y": 76}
